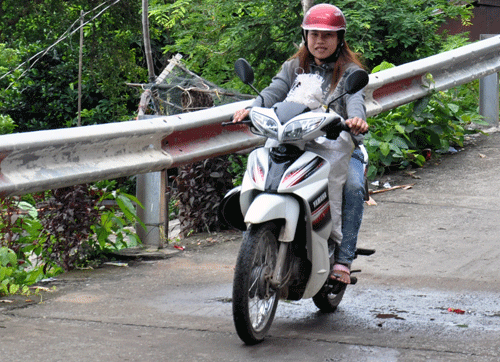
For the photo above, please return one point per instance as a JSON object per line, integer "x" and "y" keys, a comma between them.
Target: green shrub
{"x": 436, "y": 122}
{"x": 200, "y": 188}
{"x": 79, "y": 228}
{"x": 15, "y": 277}
{"x": 7, "y": 125}
{"x": 67, "y": 228}
{"x": 19, "y": 240}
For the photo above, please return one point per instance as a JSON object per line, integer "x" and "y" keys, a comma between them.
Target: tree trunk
{"x": 147, "y": 41}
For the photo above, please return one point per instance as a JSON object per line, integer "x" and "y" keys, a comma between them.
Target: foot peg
{"x": 364, "y": 252}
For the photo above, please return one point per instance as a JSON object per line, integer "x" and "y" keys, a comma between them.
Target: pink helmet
{"x": 324, "y": 17}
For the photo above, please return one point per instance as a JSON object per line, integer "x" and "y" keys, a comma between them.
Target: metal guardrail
{"x": 393, "y": 87}
{"x": 42, "y": 160}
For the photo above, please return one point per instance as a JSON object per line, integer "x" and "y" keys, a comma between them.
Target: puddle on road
{"x": 403, "y": 310}
{"x": 381, "y": 308}
{"x": 387, "y": 316}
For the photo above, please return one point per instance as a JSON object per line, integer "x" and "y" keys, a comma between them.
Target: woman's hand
{"x": 240, "y": 115}
{"x": 357, "y": 125}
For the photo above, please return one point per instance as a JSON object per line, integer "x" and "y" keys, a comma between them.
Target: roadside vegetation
{"x": 43, "y": 234}
{"x": 47, "y": 233}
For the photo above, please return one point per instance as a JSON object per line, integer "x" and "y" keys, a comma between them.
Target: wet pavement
{"x": 437, "y": 255}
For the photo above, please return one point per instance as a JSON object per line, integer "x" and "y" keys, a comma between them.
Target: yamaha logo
{"x": 319, "y": 200}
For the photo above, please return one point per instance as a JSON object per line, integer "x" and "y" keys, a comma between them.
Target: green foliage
{"x": 237, "y": 167}
{"x": 398, "y": 31}
{"x": 173, "y": 207}
{"x": 212, "y": 35}
{"x": 61, "y": 229}
{"x": 436, "y": 122}
{"x": 7, "y": 125}
{"x": 78, "y": 227}
{"x": 398, "y": 137}
{"x": 19, "y": 239}
{"x": 16, "y": 274}
{"x": 112, "y": 231}
{"x": 46, "y": 95}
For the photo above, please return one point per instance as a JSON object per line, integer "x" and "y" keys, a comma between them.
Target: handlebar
{"x": 231, "y": 123}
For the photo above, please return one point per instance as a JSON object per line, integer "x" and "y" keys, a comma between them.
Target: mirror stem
{"x": 334, "y": 100}
{"x": 255, "y": 89}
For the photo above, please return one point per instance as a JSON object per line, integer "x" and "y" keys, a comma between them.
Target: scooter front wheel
{"x": 254, "y": 300}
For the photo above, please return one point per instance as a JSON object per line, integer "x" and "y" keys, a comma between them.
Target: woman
{"x": 325, "y": 53}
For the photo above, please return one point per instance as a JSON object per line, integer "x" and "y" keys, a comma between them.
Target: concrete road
{"x": 437, "y": 248}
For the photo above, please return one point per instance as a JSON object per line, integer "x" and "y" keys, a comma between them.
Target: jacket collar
{"x": 325, "y": 67}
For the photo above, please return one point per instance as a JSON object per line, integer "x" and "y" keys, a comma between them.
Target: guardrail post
{"x": 489, "y": 95}
{"x": 150, "y": 192}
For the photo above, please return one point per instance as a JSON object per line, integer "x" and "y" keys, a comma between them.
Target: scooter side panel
{"x": 316, "y": 197}
{"x": 249, "y": 187}
{"x": 321, "y": 262}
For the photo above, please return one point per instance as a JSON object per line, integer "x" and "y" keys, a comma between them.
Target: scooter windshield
{"x": 287, "y": 110}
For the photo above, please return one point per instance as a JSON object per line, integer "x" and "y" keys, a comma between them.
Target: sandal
{"x": 341, "y": 273}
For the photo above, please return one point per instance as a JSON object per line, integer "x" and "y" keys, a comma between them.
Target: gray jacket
{"x": 349, "y": 106}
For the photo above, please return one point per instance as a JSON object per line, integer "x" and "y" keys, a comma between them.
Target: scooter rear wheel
{"x": 254, "y": 300}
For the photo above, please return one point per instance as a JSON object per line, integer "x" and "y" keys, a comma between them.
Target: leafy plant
{"x": 436, "y": 122}
{"x": 67, "y": 218}
{"x": 200, "y": 188}
{"x": 7, "y": 125}
{"x": 212, "y": 35}
{"x": 399, "y": 31}
{"x": 173, "y": 207}
{"x": 45, "y": 96}
{"x": 113, "y": 231}
{"x": 19, "y": 240}
{"x": 67, "y": 228}
{"x": 15, "y": 276}
{"x": 237, "y": 167}
{"x": 78, "y": 227}
{"x": 398, "y": 137}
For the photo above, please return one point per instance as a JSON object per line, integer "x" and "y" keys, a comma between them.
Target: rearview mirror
{"x": 356, "y": 81}
{"x": 244, "y": 71}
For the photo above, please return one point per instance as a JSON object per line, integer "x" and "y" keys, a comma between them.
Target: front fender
{"x": 267, "y": 207}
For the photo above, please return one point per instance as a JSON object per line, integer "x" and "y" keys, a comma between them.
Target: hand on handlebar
{"x": 357, "y": 125}
{"x": 240, "y": 115}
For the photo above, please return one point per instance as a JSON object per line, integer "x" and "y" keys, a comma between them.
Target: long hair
{"x": 346, "y": 56}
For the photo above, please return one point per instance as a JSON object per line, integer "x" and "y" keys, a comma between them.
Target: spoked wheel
{"x": 254, "y": 300}
{"x": 329, "y": 297}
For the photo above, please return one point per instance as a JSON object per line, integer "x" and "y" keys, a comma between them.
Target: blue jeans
{"x": 352, "y": 208}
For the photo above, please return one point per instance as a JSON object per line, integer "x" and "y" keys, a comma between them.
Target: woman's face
{"x": 322, "y": 44}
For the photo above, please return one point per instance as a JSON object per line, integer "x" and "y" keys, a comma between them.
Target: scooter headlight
{"x": 297, "y": 129}
{"x": 265, "y": 124}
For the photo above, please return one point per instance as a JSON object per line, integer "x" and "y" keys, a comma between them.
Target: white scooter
{"x": 283, "y": 207}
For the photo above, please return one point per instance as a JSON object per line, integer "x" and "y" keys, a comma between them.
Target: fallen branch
{"x": 404, "y": 187}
